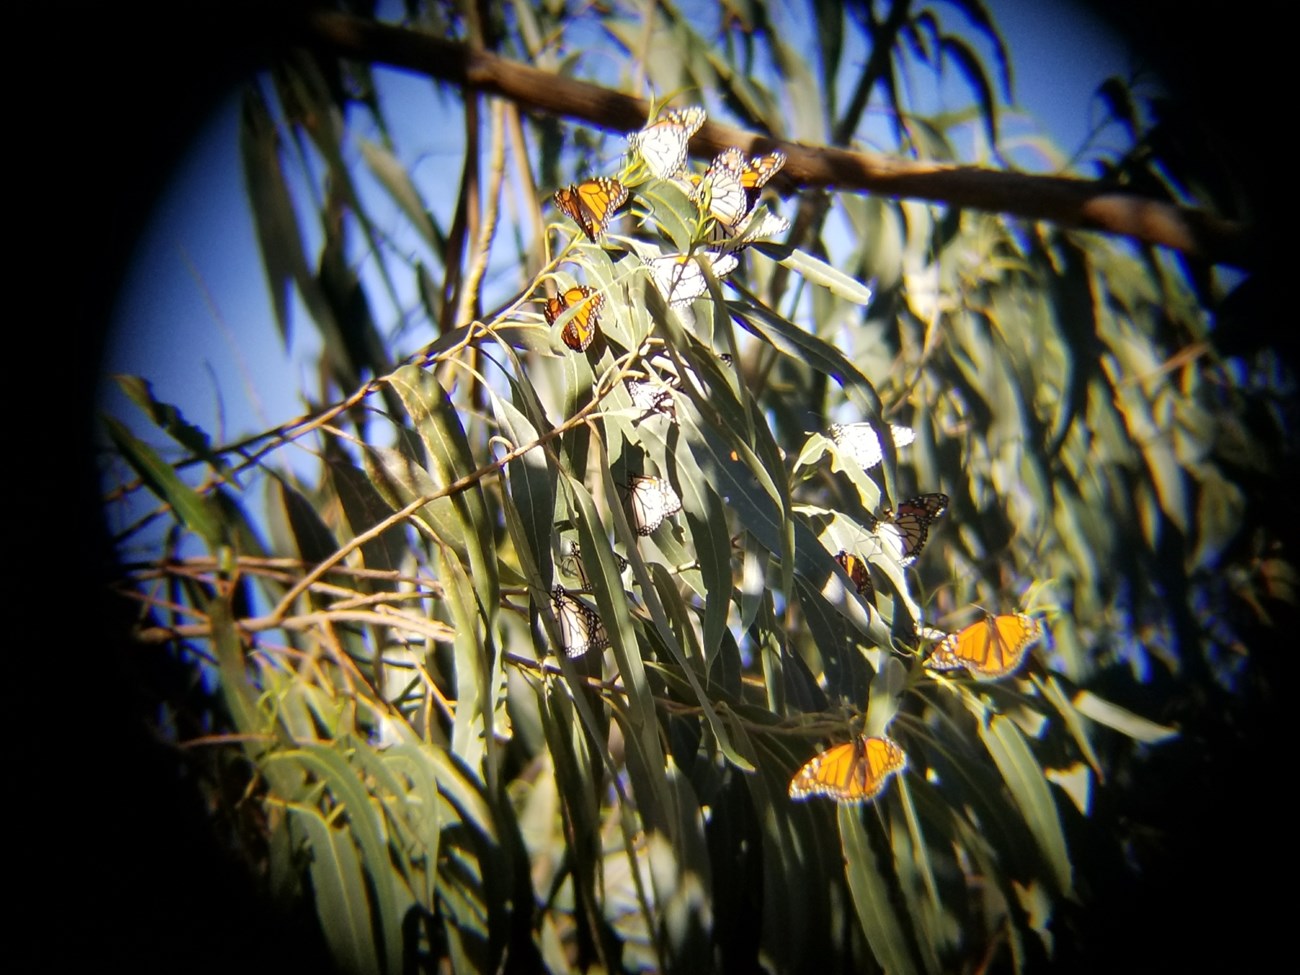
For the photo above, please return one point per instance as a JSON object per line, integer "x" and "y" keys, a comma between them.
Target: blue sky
{"x": 193, "y": 317}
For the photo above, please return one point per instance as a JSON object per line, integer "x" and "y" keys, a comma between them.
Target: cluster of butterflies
{"x": 992, "y": 647}
{"x": 651, "y": 500}
{"x": 858, "y": 770}
{"x": 727, "y": 192}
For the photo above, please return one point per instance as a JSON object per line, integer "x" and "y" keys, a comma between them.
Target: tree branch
{"x": 1067, "y": 201}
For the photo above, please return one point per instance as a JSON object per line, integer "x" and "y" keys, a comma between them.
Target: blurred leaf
{"x": 191, "y": 508}
{"x": 1025, "y": 779}
{"x": 872, "y": 898}
{"x": 1121, "y": 720}
{"x": 394, "y": 178}
{"x": 339, "y": 888}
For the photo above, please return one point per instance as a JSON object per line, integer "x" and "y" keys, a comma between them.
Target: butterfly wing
{"x": 908, "y": 527}
{"x": 592, "y": 203}
{"x": 581, "y": 628}
{"x": 760, "y": 169}
{"x": 855, "y": 771}
{"x": 762, "y": 226}
{"x": 722, "y": 190}
{"x": 663, "y": 144}
{"x": 679, "y": 277}
{"x": 581, "y": 327}
{"x": 574, "y": 566}
{"x": 650, "y": 397}
{"x": 857, "y": 571}
{"x": 992, "y": 647}
{"x": 653, "y": 499}
{"x": 859, "y": 441}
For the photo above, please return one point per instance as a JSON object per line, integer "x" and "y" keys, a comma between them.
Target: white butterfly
{"x": 653, "y": 499}
{"x": 663, "y": 144}
{"x": 573, "y": 564}
{"x": 860, "y": 443}
{"x": 580, "y": 626}
{"x": 649, "y": 397}
{"x": 763, "y": 225}
{"x": 722, "y": 189}
{"x": 679, "y": 277}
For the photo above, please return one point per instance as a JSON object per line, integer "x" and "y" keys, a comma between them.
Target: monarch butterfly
{"x": 573, "y": 564}
{"x": 580, "y": 626}
{"x": 650, "y": 397}
{"x": 653, "y": 499}
{"x": 759, "y": 227}
{"x": 758, "y": 170}
{"x": 857, "y": 571}
{"x": 592, "y": 203}
{"x": 581, "y": 328}
{"x": 989, "y": 648}
{"x": 722, "y": 189}
{"x": 908, "y": 526}
{"x": 862, "y": 445}
{"x": 855, "y": 771}
{"x": 680, "y": 279}
{"x": 663, "y": 144}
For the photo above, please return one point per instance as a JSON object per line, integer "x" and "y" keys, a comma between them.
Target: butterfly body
{"x": 592, "y": 203}
{"x": 581, "y": 328}
{"x": 854, "y": 771}
{"x": 989, "y": 648}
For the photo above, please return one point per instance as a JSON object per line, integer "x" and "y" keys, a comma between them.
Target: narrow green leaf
{"x": 870, "y": 885}
{"x": 531, "y": 479}
{"x": 394, "y": 178}
{"x": 438, "y": 422}
{"x": 340, "y": 892}
{"x": 817, "y": 271}
{"x": 364, "y": 508}
{"x": 364, "y": 827}
{"x": 190, "y": 507}
{"x": 1024, "y": 777}
{"x": 312, "y": 537}
{"x": 1122, "y": 720}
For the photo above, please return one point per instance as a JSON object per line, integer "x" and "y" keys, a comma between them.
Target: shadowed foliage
{"x": 505, "y": 654}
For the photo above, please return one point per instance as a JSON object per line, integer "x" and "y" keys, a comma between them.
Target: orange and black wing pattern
{"x": 909, "y": 524}
{"x": 757, "y": 171}
{"x": 855, "y": 771}
{"x": 592, "y": 203}
{"x": 581, "y": 328}
{"x": 992, "y": 647}
{"x": 857, "y": 571}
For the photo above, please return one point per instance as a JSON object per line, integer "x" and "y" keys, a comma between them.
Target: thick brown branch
{"x": 1062, "y": 200}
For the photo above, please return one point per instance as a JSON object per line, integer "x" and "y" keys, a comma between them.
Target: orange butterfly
{"x": 592, "y": 203}
{"x": 989, "y": 648}
{"x": 758, "y": 170}
{"x": 855, "y": 771}
{"x": 860, "y": 574}
{"x": 581, "y": 328}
